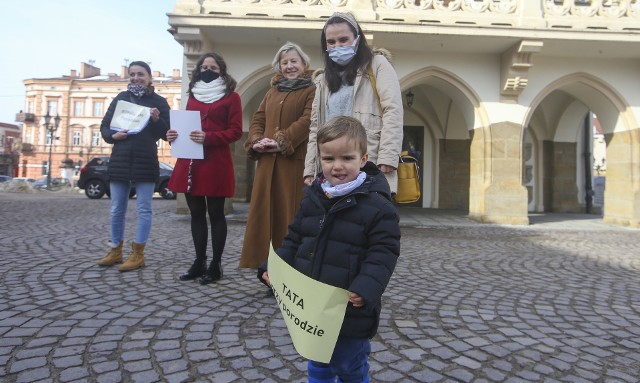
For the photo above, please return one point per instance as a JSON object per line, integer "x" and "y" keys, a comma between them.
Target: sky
{"x": 49, "y": 38}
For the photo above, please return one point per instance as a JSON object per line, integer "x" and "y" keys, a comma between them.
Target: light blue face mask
{"x": 344, "y": 54}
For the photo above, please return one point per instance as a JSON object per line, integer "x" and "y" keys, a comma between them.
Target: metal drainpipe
{"x": 587, "y": 163}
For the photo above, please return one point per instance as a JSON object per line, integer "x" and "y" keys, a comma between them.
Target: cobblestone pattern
{"x": 466, "y": 304}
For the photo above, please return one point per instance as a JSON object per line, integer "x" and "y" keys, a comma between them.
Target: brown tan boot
{"x": 135, "y": 259}
{"x": 113, "y": 256}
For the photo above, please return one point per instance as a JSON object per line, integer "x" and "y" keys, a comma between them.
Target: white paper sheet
{"x": 185, "y": 122}
{"x": 130, "y": 117}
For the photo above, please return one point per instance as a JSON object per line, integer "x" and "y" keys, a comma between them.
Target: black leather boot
{"x": 196, "y": 270}
{"x": 213, "y": 273}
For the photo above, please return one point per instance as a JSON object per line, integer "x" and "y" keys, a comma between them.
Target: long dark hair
{"x": 226, "y": 77}
{"x": 336, "y": 74}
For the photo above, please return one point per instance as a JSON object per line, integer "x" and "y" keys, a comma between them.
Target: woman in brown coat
{"x": 278, "y": 139}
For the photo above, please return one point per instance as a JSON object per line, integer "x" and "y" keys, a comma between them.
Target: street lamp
{"x": 80, "y": 154}
{"x": 51, "y": 129}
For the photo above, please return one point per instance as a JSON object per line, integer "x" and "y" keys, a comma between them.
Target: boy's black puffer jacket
{"x": 136, "y": 158}
{"x": 351, "y": 242}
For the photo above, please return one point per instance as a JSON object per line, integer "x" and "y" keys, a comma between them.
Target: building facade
{"x": 80, "y": 100}
{"x": 9, "y": 150}
{"x": 500, "y": 95}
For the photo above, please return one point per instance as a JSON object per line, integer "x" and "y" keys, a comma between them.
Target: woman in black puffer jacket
{"x": 134, "y": 160}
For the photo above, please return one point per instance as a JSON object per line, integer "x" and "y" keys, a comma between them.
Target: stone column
{"x": 563, "y": 182}
{"x": 191, "y": 39}
{"x": 622, "y": 190}
{"x": 497, "y": 193}
{"x": 454, "y": 175}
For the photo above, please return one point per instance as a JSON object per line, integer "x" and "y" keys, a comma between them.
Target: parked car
{"x": 4, "y": 178}
{"x": 28, "y": 180}
{"x": 56, "y": 183}
{"x": 95, "y": 181}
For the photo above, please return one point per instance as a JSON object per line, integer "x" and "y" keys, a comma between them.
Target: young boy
{"x": 346, "y": 234}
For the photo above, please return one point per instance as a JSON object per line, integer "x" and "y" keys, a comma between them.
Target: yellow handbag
{"x": 408, "y": 180}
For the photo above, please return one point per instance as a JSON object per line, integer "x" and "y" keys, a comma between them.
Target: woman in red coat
{"x": 207, "y": 182}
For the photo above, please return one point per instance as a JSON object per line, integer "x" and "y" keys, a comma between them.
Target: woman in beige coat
{"x": 278, "y": 139}
{"x": 346, "y": 87}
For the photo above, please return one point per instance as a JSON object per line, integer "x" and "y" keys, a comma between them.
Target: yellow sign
{"x": 312, "y": 310}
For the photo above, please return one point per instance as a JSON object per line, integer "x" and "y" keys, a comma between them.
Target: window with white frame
{"x": 76, "y": 138}
{"x": 52, "y": 108}
{"x": 97, "y": 109}
{"x": 95, "y": 139}
{"x": 27, "y": 137}
{"x": 49, "y": 137}
{"x": 45, "y": 166}
{"x": 30, "y": 106}
{"x": 78, "y": 108}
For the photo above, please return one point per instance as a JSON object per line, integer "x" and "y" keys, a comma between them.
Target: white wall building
{"x": 503, "y": 90}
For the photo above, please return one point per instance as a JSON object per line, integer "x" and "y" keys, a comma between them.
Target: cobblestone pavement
{"x": 552, "y": 302}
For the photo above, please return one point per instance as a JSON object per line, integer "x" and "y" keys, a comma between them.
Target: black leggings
{"x": 199, "y": 206}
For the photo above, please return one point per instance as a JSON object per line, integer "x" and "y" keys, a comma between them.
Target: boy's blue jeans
{"x": 120, "y": 200}
{"x": 349, "y": 362}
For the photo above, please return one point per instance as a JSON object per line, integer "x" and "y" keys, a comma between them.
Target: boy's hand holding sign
{"x": 312, "y": 310}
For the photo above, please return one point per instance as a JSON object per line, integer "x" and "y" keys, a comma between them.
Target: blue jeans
{"x": 119, "y": 202}
{"x": 349, "y": 362}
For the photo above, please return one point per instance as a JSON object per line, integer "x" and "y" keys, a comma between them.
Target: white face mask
{"x": 344, "y": 54}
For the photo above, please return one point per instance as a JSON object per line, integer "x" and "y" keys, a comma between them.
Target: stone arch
{"x": 605, "y": 93}
{"x": 251, "y": 89}
{"x": 468, "y": 105}
{"x": 255, "y": 84}
{"x": 473, "y": 111}
{"x": 622, "y": 136}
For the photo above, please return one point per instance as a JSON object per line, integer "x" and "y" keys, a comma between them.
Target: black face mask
{"x": 208, "y": 76}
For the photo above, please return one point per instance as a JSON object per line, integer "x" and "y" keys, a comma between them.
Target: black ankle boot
{"x": 213, "y": 273}
{"x": 196, "y": 270}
